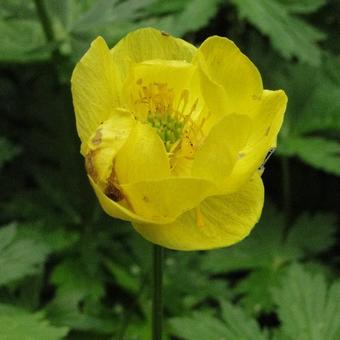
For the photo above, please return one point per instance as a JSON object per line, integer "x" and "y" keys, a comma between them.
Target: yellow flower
{"x": 173, "y": 136}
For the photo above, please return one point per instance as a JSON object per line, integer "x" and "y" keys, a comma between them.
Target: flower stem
{"x": 45, "y": 20}
{"x": 157, "y": 298}
{"x": 50, "y": 36}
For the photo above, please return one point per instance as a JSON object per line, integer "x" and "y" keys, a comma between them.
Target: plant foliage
{"x": 67, "y": 271}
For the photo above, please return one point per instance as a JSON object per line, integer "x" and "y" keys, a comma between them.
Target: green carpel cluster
{"x": 168, "y": 127}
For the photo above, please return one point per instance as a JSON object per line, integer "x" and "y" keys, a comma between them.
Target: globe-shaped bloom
{"x": 173, "y": 136}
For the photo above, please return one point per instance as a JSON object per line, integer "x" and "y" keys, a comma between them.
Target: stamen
{"x": 171, "y": 117}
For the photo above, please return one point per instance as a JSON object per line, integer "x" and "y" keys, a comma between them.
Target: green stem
{"x": 50, "y": 36}
{"x": 157, "y": 301}
{"x": 45, "y": 20}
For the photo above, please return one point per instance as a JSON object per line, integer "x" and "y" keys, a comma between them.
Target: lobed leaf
{"x": 19, "y": 258}
{"x": 289, "y": 35}
{"x": 194, "y": 15}
{"x": 202, "y": 325}
{"x": 268, "y": 250}
{"x": 307, "y": 308}
{"x": 321, "y": 153}
{"x": 17, "y": 324}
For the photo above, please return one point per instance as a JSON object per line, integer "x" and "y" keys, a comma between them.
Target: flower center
{"x": 165, "y": 111}
{"x": 169, "y": 128}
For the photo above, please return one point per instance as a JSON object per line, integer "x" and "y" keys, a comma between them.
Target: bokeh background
{"x": 67, "y": 271}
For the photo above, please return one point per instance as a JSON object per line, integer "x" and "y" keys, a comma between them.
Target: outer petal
{"x": 228, "y": 76}
{"x": 218, "y": 222}
{"x": 267, "y": 124}
{"x": 118, "y": 210}
{"x": 167, "y": 198}
{"x": 94, "y": 89}
{"x": 104, "y": 144}
{"x": 143, "y": 156}
{"x": 148, "y": 44}
{"x": 218, "y": 154}
{"x": 269, "y": 118}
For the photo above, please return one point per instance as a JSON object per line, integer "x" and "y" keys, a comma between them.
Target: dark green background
{"x": 69, "y": 271}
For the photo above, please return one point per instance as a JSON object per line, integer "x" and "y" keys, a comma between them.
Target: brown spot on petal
{"x": 267, "y": 131}
{"x": 90, "y": 166}
{"x": 166, "y": 34}
{"x": 113, "y": 192}
{"x": 146, "y": 199}
{"x": 112, "y": 189}
{"x": 97, "y": 139}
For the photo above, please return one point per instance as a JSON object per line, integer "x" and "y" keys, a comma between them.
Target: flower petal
{"x": 102, "y": 147}
{"x": 219, "y": 221}
{"x": 142, "y": 157}
{"x": 94, "y": 89}
{"x": 166, "y": 198}
{"x": 269, "y": 118}
{"x": 117, "y": 209}
{"x": 225, "y": 67}
{"x": 148, "y": 44}
{"x": 217, "y": 156}
{"x": 267, "y": 123}
{"x": 166, "y": 74}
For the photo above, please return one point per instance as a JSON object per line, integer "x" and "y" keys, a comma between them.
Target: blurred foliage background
{"x": 67, "y": 271}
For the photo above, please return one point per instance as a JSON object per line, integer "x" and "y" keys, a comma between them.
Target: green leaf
{"x": 164, "y": 7}
{"x": 313, "y": 234}
{"x": 268, "y": 246}
{"x": 111, "y": 19}
{"x": 199, "y": 13}
{"x": 308, "y": 309}
{"x": 62, "y": 13}
{"x": 107, "y": 13}
{"x": 321, "y": 153}
{"x": 314, "y": 97}
{"x": 267, "y": 250}
{"x": 55, "y": 238}
{"x": 254, "y": 290}
{"x": 235, "y": 325}
{"x": 7, "y": 235}
{"x": 313, "y": 118}
{"x": 263, "y": 248}
{"x": 7, "y": 151}
{"x": 186, "y": 283}
{"x": 19, "y": 258}
{"x": 240, "y": 326}
{"x": 194, "y": 15}
{"x": 289, "y": 35}
{"x": 199, "y": 326}
{"x": 100, "y": 14}
{"x": 322, "y": 109}
{"x": 123, "y": 277}
{"x": 70, "y": 277}
{"x": 22, "y": 41}
{"x": 76, "y": 303}
{"x": 19, "y": 324}
{"x": 303, "y": 6}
